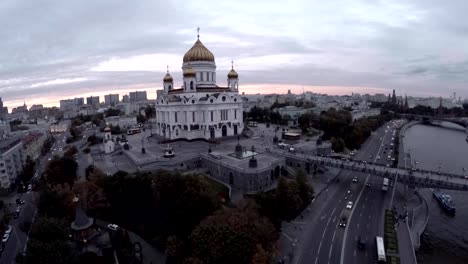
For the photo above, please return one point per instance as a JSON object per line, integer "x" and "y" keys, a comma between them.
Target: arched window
{"x": 191, "y": 85}
{"x": 170, "y": 87}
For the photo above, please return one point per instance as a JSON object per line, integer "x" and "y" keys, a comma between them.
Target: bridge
{"x": 419, "y": 178}
{"x": 462, "y": 121}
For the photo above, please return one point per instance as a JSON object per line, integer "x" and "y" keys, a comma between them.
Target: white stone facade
{"x": 200, "y": 109}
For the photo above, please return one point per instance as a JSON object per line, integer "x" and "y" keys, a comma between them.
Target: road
{"x": 367, "y": 218}
{"x": 18, "y": 239}
{"x": 324, "y": 241}
{"x": 323, "y": 237}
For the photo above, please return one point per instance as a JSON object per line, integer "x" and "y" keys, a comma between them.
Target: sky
{"x": 55, "y": 49}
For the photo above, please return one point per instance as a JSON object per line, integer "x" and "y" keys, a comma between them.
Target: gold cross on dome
{"x": 198, "y": 30}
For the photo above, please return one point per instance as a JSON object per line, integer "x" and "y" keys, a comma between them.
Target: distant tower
{"x": 233, "y": 78}
{"x": 394, "y": 99}
{"x": 406, "y": 107}
{"x": 168, "y": 81}
{"x": 389, "y": 98}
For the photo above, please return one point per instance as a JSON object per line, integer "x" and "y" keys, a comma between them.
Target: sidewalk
{"x": 406, "y": 200}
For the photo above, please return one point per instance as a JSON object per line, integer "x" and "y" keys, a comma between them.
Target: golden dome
{"x": 233, "y": 74}
{"x": 198, "y": 53}
{"x": 168, "y": 78}
{"x": 189, "y": 72}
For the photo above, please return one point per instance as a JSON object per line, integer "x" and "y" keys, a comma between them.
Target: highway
{"x": 323, "y": 237}
{"x": 367, "y": 218}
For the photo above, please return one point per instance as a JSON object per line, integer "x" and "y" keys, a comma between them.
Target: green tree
{"x": 55, "y": 202}
{"x": 70, "y": 152}
{"x": 305, "y": 189}
{"x": 28, "y": 170}
{"x": 48, "y": 243}
{"x": 61, "y": 170}
{"x": 232, "y": 236}
{"x": 112, "y": 112}
{"x": 338, "y": 144}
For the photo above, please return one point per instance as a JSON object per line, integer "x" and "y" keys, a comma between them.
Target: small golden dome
{"x": 189, "y": 72}
{"x": 232, "y": 74}
{"x": 168, "y": 78}
{"x": 198, "y": 53}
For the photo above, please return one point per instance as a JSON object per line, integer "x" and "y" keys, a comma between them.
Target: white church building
{"x": 200, "y": 109}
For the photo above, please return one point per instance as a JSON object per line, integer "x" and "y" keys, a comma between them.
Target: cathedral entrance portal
{"x": 224, "y": 131}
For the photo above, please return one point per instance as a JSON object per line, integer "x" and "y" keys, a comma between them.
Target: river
{"x": 446, "y": 238}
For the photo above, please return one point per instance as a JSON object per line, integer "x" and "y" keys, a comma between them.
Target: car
{"x": 349, "y": 205}
{"x": 8, "y": 230}
{"x": 354, "y": 179}
{"x": 368, "y": 185}
{"x": 388, "y": 165}
{"x": 370, "y": 156}
{"x": 343, "y": 222}
{"x": 5, "y": 238}
{"x": 378, "y": 157}
{"x": 49, "y": 159}
{"x": 113, "y": 227}
{"x": 18, "y": 209}
{"x": 29, "y": 187}
{"x": 362, "y": 243}
{"x": 348, "y": 192}
{"x": 19, "y": 201}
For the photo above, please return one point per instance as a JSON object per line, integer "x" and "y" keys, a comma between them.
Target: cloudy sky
{"x": 52, "y": 49}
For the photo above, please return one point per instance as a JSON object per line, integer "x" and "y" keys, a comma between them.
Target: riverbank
{"x": 413, "y": 201}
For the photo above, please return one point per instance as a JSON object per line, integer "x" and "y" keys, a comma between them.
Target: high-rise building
{"x": 138, "y": 96}
{"x": 67, "y": 105}
{"x": 111, "y": 99}
{"x": 3, "y": 110}
{"x": 125, "y": 99}
{"x": 78, "y": 101}
{"x": 93, "y": 101}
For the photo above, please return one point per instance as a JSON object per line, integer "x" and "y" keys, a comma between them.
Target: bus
{"x": 291, "y": 136}
{"x": 133, "y": 130}
{"x": 385, "y": 184}
{"x": 380, "y": 250}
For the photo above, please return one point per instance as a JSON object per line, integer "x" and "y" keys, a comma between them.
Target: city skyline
{"x": 85, "y": 48}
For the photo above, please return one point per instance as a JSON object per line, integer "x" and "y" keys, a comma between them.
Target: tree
{"x": 287, "y": 198}
{"x": 150, "y": 112}
{"x": 70, "y": 152}
{"x": 92, "y": 197}
{"x": 306, "y": 120}
{"x": 305, "y": 190}
{"x": 112, "y": 112}
{"x": 75, "y": 132}
{"x": 48, "y": 243}
{"x": 61, "y": 171}
{"x": 28, "y": 170}
{"x": 232, "y": 236}
{"x": 56, "y": 202}
{"x": 338, "y": 144}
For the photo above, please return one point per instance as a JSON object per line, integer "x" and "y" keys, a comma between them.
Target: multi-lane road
{"x": 323, "y": 239}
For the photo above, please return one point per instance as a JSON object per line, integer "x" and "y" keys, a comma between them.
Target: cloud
{"x": 416, "y": 47}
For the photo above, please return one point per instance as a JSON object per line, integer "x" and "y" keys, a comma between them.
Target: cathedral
{"x": 199, "y": 109}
